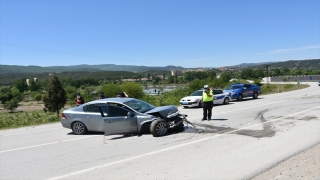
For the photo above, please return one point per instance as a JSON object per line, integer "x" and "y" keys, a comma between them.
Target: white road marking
{"x": 171, "y": 148}
{"x": 32, "y": 131}
{"x": 28, "y": 147}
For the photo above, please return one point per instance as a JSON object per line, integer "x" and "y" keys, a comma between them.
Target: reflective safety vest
{"x": 206, "y": 98}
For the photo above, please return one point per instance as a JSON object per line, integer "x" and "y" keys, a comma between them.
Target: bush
{"x": 19, "y": 119}
{"x": 133, "y": 89}
{"x": 257, "y": 82}
{"x": 11, "y": 105}
{"x": 37, "y": 96}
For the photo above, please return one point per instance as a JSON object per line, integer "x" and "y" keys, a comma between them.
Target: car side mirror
{"x": 130, "y": 114}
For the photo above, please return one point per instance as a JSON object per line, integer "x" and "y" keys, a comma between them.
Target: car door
{"x": 250, "y": 90}
{"x": 93, "y": 117}
{"x": 218, "y": 96}
{"x": 246, "y": 90}
{"x": 119, "y": 120}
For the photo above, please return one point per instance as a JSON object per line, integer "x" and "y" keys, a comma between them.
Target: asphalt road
{"x": 242, "y": 140}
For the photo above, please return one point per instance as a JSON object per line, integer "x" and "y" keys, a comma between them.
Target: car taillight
{"x": 63, "y": 116}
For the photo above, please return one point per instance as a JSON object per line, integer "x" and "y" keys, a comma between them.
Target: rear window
{"x": 91, "y": 108}
{"x": 217, "y": 92}
{"x": 234, "y": 87}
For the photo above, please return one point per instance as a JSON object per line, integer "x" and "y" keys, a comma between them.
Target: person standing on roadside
{"x": 207, "y": 100}
{"x": 101, "y": 95}
{"x": 79, "y": 100}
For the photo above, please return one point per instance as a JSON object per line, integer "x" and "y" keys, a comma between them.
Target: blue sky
{"x": 187, "y": 33}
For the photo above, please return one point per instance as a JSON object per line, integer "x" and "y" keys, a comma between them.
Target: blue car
{"x": 240, "y": 91}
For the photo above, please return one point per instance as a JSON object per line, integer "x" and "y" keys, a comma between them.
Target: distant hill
{"x": 290, "y": 64}
{"x": 84, "y": 67}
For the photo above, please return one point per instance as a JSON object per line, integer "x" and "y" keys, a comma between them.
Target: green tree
{"x": 110, "y": 90}
{"x": 71, "y": 92}
{"x": 155, "y": 79}
{"x": 133, "y": 89}
{"x": 212, "y": 74}
{"x": 21, "y": 84}
{"x": 181, "y": 80}
{"x": 226, "y": 76}
{"x": 33, "y": 85}
{"x": 171, "y": 79}
{"x": 55, "y": 96}
{"x": 286, "y": 71}
{"x": 5, "y": 95}
{"x": 16, "y": 94}
{"x": 247, "y": 74}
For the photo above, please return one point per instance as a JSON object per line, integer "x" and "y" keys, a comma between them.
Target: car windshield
{"x": 139, "y": 105}
{"x": 234, "y": 87}
{"x": 196, "y": 93}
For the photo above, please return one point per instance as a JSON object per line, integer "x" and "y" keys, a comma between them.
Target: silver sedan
{"x": 122, "y": 115}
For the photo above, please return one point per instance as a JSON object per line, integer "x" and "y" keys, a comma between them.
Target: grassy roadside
{"x": 31, "y": 117}
{"x": 279, "y": 88}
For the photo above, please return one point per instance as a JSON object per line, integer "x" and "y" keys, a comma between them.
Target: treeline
{"x": 100, "y": 76}
{"x": 311, "y": 64}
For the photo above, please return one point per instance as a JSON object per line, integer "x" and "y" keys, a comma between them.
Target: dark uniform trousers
{"x": 207, "y": 109}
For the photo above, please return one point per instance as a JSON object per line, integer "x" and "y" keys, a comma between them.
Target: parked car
{"x": 240, "y": 91}
{"x": 319, "y": 83}
{"x": 194, "y": 99}
{"x": 122, "y": 115}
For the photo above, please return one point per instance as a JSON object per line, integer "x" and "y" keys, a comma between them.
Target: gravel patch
{"x": 305, "y": 165}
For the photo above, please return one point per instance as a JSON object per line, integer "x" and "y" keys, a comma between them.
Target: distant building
{"x": 28, "y": 81}
{"x": 176, "y": 72}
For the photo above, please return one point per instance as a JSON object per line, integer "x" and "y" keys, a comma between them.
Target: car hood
{"x": 233, "y": 90}
{"x": 164, "y": 111}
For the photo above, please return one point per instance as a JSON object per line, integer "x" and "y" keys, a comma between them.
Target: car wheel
{"x": 255, "y": 95}
{"x": 78, "y": 128}
{"x": 200, "y": 104}
{"x": 240, "y": 97}
{"x": 159, "y": 128}
{"x": 226, "y": 101}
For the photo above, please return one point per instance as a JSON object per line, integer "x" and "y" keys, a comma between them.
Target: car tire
{"x": 240, "y": 97}
{"x": 159, "y": 128}
{"x": 226, "y": 101}
{"x": 200, "y": 104}
{"x": 255, "y": 95}
{"x": 78, "y": 128}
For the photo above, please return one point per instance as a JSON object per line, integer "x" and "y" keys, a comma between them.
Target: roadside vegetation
{"x": 55, "y": 95}
{"x": 279, "y": 88}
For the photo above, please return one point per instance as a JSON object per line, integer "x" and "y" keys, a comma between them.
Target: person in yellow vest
{"x": 207, "y": 100}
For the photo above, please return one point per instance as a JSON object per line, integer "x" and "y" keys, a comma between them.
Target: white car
{"x": 194, "y": 99}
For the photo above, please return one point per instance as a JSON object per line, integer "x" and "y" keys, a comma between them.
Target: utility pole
{"x": 267, "y": 68}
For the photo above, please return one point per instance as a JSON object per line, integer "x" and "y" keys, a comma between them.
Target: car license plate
{"x": 185, "y": 103}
